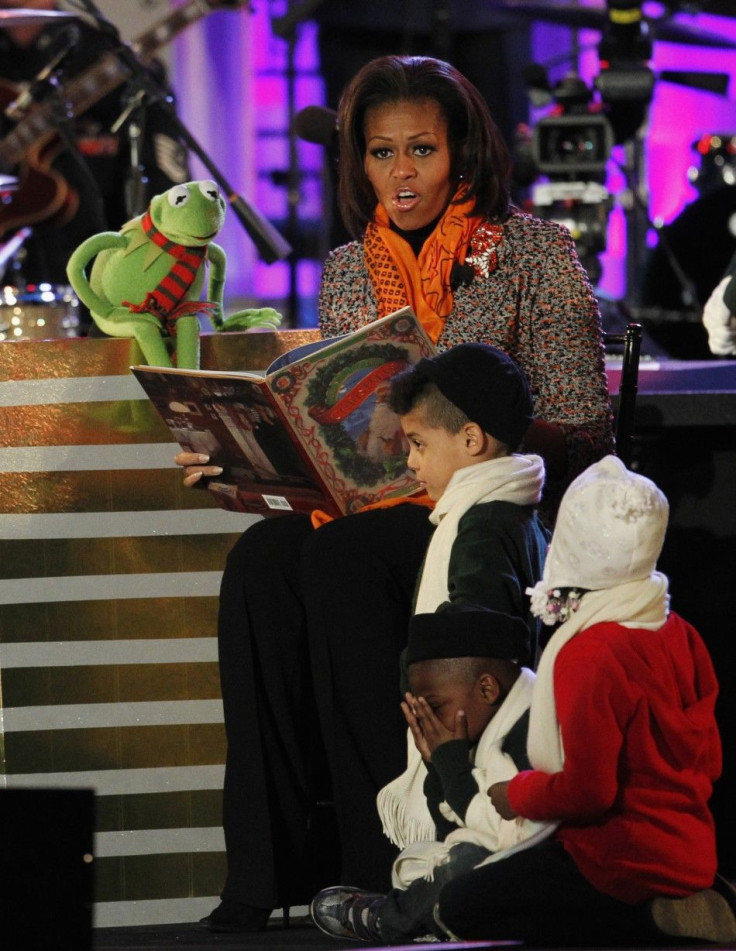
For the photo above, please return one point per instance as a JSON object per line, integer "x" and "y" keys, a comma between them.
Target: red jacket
{"x": 642, "y": 750}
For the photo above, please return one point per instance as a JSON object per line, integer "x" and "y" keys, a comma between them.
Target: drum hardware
{"x": 11, "y": 249}
{"x": 8, "y": 183}
{"x": 14, "y": 18}
{"x": 44, "y": 312}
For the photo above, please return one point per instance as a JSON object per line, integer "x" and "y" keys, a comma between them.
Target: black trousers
{"x": 539, "y": 896}
{"x": 311, "y": 626}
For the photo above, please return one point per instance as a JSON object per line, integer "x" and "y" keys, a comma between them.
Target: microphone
{"x": 316, "y": 124}
{"x": 461, "y": 275}
{"x": 59, "y": 48}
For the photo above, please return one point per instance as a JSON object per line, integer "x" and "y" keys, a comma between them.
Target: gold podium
{"x": 108, "y": 601}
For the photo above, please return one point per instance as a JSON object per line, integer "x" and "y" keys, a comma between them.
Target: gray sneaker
{"x": 708, "y": 915}
{"x": 345, "y": 912}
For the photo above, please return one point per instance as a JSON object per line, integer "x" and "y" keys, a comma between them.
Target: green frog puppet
{"x": 146, "y": 279}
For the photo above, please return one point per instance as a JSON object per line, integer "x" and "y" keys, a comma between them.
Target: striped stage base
{"x": 109, "y": 576}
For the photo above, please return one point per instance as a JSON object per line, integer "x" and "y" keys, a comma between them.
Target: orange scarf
{"x": 399, "y": 278}
{"x": 319, "y": 517}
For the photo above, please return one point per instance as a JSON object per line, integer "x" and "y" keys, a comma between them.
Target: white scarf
{"x": 402, "y": 805}
{"x": 516, "y": 478}
{"x": 643, "y": 603}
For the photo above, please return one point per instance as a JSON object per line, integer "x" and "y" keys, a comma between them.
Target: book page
{"x": 235, "y": 421}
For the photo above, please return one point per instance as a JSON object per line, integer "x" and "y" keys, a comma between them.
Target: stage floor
{"x": 301, "y": 934}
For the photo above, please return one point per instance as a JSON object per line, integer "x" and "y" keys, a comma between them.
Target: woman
{"x": 312, "y": 621}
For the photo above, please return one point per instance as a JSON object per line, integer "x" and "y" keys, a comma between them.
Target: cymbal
{"x": 11, "y": 18}
{"x": 591, "y": 18}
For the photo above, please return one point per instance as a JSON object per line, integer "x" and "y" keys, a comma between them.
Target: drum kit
{"x": 45, "y": 311}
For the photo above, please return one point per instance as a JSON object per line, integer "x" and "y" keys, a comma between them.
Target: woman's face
{"x": 407, "y": 161}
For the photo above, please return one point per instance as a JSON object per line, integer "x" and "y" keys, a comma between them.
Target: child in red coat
{"x": 623, "y": 741}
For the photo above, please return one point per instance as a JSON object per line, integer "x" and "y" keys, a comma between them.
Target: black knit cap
{"x": 487, "y": 386}
{"x": 467, "y": 630}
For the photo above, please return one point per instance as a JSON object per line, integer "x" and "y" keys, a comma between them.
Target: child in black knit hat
{"x": 467, "y": 710}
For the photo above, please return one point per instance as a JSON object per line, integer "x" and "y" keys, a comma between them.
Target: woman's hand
{"x": 500, "y": 800}
{"x": 195, "y": 466}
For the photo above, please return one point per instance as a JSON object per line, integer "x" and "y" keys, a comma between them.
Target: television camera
{"x": 571, "y": 147}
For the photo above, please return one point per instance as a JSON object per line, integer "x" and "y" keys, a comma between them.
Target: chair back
{"x": 630, "y": 339}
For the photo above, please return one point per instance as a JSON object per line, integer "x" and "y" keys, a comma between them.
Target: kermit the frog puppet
{"x": 146, "y": 279}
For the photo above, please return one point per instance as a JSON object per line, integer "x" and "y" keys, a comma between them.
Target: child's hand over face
{"x": 428, "y": 730}
{"x": 409, "y": 709}
{"x": 500, "y": 800}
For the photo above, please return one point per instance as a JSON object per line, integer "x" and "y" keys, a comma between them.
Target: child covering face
{"x": 467, "y": 717}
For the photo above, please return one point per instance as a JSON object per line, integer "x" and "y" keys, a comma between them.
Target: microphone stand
{"x": 134, "y": 188}
{"x": 62, "y": 115}
{"x": 271, "y": 246}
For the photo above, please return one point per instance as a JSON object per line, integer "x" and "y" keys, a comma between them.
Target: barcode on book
{"x": 276, "y": 502}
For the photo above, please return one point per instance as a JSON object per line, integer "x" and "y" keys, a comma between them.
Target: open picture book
{"x": 314, "y": 432}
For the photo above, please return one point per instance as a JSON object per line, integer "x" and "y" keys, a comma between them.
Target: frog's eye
{"x": 209, "y": 190}
{"x": 178, "y": 196}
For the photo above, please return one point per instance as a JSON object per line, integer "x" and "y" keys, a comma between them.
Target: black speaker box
{"x": 46, "y": 837}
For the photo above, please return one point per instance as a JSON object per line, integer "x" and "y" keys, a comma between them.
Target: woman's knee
{"x": 385, "y": 541}
{"x": 269, "y": 546}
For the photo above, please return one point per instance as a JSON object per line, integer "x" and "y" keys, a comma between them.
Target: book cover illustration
{"x": 335, "y": 401}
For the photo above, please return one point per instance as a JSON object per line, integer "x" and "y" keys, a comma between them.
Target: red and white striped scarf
{"x": 172, "y": 290}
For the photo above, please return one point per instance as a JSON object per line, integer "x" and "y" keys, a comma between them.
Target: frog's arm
{"x": 80, "y": 258}
{"x": 216, "y": 283}
{"x": 263, "y": 318}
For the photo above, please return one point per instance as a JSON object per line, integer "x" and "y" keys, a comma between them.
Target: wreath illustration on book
{"x": 347, "y": 398}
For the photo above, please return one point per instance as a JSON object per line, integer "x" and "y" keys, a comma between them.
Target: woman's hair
{"x": 478, "y": 154}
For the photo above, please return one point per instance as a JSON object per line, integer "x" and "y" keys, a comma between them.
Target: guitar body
{"x": 43, "y": 195}
{"x": 29, "y": 149}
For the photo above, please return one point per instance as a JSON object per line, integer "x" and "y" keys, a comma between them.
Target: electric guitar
{"x": 43, "y": 195}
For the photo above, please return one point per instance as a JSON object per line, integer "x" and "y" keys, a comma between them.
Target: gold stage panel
{"x": 109, "y": 579}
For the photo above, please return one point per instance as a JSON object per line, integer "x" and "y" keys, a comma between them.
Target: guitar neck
{"x": 93, "y": 84}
